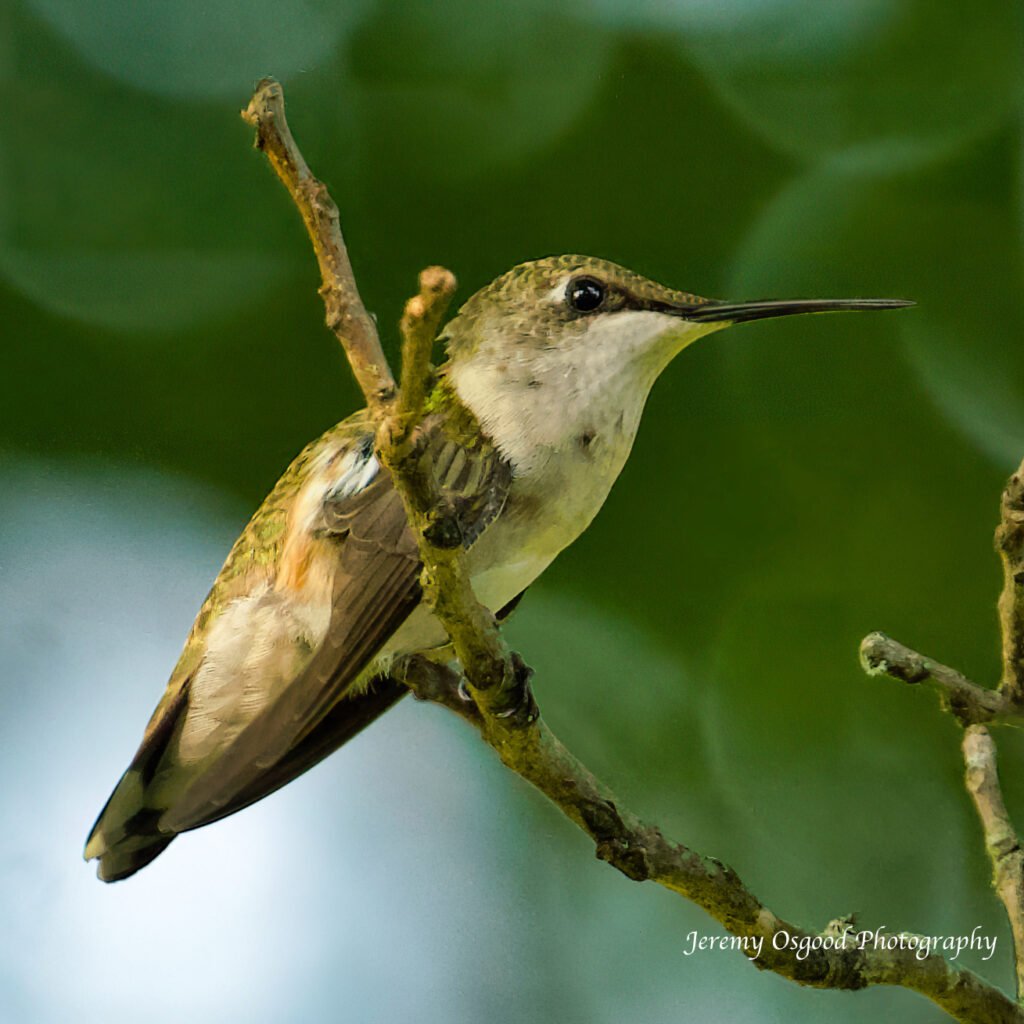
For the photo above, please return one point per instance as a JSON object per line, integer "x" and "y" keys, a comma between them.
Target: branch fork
{"x": 497, "y": 681}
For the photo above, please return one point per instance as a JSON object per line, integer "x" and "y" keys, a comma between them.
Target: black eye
{"x": 585, "y": 294}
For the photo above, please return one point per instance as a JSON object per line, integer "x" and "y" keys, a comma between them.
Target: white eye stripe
{"x": 557, "y": 294}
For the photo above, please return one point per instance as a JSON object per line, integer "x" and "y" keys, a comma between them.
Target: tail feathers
{"x": 122, "y": 861}
{"x": 125, "y": 837}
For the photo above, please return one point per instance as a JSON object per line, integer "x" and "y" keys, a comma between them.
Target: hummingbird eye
{"x": 585, "y": 294}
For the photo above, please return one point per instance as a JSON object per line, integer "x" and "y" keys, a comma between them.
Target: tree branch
{"x": 498, "y": 701}
{"x": 1010, "y": 545}
{"x": 976, "y": 706}
{"x": 498, "y": 678}
{"x": 967, "y": 701}
{"x": 346, "y": 314}
{"x": 1004, "y": 850}
{"x": 838, "y": 957}
{"x": 419, "y": 325}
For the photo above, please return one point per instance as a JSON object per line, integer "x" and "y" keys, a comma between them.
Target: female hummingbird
{"x": 529, "y": 424}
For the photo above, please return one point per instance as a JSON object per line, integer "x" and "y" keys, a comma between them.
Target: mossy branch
{"x": 1010, "y": 545}
{"x": 497, "y": 699}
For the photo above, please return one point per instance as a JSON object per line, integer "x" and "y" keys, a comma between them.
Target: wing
{"x": 348, "y": 717}
{"x": 376, "y": 587}
{"x": 125, "y": 835}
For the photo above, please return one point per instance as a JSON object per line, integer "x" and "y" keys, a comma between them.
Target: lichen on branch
{"x": 493, "y": 694}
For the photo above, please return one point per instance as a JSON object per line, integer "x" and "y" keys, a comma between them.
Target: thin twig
{"x": 419, "y": 325}
{"x": 969, "y": 702}
{"x": 1004, "y": 850}
{"x": 346, "y": 314}
{"x": 1010, "y": 545}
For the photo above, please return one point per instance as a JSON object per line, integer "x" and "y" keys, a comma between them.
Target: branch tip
{"x": 344, "y": 311}
{"x": 881, "y": 655}
{"x": 965, "y": 700}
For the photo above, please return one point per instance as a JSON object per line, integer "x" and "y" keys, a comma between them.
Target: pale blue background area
{"x": 409, "y": 877}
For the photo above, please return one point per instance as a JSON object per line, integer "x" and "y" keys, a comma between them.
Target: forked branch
{"x": 975, "y": 706}
{"x": 498, "y": 701}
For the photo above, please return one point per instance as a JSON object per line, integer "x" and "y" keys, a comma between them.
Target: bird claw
{"x": 522, "y": 709}
{"x": 517, "y": 703}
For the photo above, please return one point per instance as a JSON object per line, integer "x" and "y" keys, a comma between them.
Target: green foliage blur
{"x": 795, "y": 484}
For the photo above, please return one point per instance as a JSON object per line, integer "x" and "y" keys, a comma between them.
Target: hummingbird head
{"x": 551, "y": 338}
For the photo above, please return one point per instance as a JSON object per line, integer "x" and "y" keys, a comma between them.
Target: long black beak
{"x": 740, "y": 312}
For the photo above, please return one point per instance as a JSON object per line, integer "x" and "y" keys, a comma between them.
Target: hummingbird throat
{"x": 536, "y": 400}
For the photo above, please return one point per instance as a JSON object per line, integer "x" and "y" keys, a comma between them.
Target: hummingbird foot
{"x": 516, "y": 704}
{"x": 512, "y": 701}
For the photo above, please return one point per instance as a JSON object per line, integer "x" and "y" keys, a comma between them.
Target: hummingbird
{"x": 528, "y": 424}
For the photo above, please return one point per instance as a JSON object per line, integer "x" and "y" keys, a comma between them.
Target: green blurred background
{"x": 794, "y": 486}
